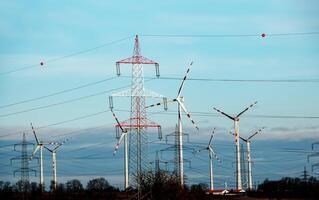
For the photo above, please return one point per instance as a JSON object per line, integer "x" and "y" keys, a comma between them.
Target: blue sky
{"x": 44, "y": 30}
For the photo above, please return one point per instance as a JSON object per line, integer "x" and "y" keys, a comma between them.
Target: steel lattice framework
{"x": 138, "y": 122}
{"x": 24, "y": 169}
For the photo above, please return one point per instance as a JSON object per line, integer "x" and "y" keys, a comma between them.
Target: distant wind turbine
{"x": 248, "y": 141}
{"x": 53, "y": 152}
{"x": 181, "y": 108}
{"x": 211, "y": 154}
{"x": 39, "y": 145}
{"x": 123, "y": 135}
{"x": 236, "y": 127}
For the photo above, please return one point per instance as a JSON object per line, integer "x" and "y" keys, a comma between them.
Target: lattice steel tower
{"x": 138, "y": 122}
{"x": 24, "y": 168}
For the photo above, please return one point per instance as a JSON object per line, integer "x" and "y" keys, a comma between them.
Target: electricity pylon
{"x": 138, "y": 121}
{"x": 24, "y": 169}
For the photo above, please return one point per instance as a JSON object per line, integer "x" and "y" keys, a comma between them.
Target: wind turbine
{"x": 181, "y": 108}
{"x": 39, "y": 145}
{"x": 248, "y": 141}
{"x": 53, "y": 151}
{"x": 117, "y": 146}
{"x": 211, "y": 154}
{"x": 236, "y": 127}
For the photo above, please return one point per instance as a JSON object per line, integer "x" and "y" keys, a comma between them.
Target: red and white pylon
{"x": 138, "y": 122}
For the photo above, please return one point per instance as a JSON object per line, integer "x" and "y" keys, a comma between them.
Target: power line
{"x": 59, "y": 92}
{"x": 162, "y": 36}
{"x": 229, "y": 35}
{"x": 58, "y": 123}
{"x": 206, "y": 114}
{"x": 247, "y": 80}
{"x": 66, "y": 56}
{"x": 165, "y": 78}
{"x": 162, "y": 112}
{"x": 238, "y": 80}
{"x": 66, "y": 101}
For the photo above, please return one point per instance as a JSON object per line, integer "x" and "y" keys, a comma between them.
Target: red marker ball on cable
{"x": 263, "y": 35}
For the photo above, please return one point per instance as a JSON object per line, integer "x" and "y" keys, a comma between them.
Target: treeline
{"x": 72, "y": 189}
{"x": 157, "y": 186}
{"x": 288, "y": 188}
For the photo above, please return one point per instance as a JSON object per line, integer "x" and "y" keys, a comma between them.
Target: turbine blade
{"x": 251, "y": 105}
{"x": 64, "y": 141}
{"x": 161, "y": 103}
{"x": 259, "y": 131}
{"x": 187, "y": 113}
{"x": 213, "y": 152}
{"x": 198, "y": 151}
{"x": 117, "y": 121}
{"x": 48, "y": 149}
{"x": 35, "y": 135}
{"x": 210, "y": 154}
{"x": 33, "y": 153}
{"x": 117, "y": 146}
{"x": 183, "y": 82}
{"x": 60, "y": 144}
{"x": 211, "y": 137}
{"x": 53, "y": 143}
{"x": 239, "y": 137}
{"x": 221, "y": 112}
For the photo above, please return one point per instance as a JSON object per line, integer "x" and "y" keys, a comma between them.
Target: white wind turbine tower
{"x": 181, "y": 107}
{"x": 39, "y": 145}
{"x": 236, "y": 127}
{"x": 248, "y": 141}
{"x": 53, "y": 151}
{"x": 117, "y": 146}
{"x": 211, "y": 154}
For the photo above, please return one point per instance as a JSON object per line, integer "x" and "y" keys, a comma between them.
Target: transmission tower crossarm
{"x": 137, "y": 60}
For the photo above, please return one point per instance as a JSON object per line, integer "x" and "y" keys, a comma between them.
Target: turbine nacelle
{"x": 179, "y": 99}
